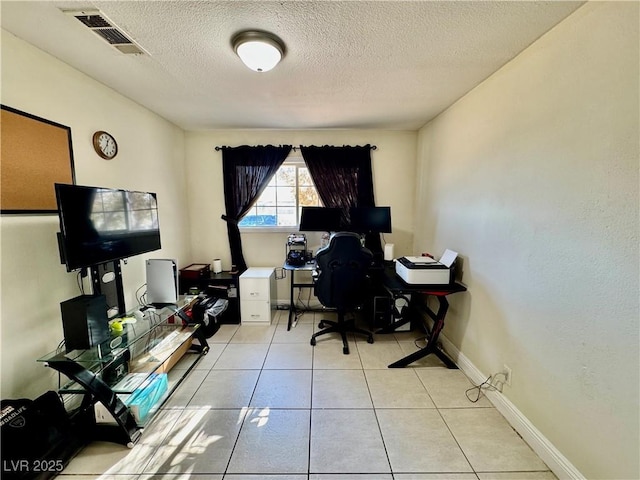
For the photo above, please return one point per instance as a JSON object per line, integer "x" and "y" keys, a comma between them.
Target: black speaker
{"x": 84, "y": 321}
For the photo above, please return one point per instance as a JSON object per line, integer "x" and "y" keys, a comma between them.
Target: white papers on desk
{"x": 447, "y": 259}
{"x": 421, "y": 260}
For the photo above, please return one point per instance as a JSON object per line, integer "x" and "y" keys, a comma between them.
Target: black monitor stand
{"x": 107, "y": 280}
{"x": 373, "y": 243}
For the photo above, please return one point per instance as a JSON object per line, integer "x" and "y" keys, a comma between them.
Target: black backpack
{"x": 38, "y": 440}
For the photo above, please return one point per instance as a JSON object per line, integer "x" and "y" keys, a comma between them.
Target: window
{"x": 119, "y": 211}
{"x": 290, "y": 189}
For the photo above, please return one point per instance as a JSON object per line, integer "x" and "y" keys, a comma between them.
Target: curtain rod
{"x": 221, "y": 147}
{"x": 373, "y": 147}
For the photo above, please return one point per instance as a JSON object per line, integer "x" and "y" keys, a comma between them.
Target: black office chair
{"x": 342, "y": 282}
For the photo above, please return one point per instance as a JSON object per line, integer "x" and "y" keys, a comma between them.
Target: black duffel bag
{"x": 37, "y": 438}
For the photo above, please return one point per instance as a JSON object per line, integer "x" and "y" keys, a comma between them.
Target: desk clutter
{"x": 200, "y": 279}
{"x": 297, "y": 253}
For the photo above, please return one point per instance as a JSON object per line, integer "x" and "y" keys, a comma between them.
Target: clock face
{"x": 105, "y": 145}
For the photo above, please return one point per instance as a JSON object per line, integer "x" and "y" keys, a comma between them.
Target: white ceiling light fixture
{"x": 258, "y": 50}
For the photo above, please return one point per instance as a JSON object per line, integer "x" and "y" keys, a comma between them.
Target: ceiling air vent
{"x": 103, "y": 27}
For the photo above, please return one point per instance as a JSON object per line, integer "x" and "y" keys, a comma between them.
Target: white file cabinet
{"x": 257, "y": 295}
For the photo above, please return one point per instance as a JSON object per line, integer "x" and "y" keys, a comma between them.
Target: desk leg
{"x": 292, "y": 308}
{"x": 432, "y": 343}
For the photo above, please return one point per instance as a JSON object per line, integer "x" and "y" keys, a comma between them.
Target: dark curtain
{"x": 246, "y": 172}
{"x": 344, "y": 178}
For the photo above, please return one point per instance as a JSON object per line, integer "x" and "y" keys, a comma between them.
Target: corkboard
{"x": 35, "y": 153}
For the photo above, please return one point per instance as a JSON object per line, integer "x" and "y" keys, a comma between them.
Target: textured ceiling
{"x": 349, "y": 64}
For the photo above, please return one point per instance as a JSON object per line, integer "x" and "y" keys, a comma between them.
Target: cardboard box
{"x": 175, "y": 357}
{"x": 162, "y": 357}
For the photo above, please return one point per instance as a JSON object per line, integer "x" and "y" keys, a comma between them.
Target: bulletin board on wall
{"x": 35, "y": 153}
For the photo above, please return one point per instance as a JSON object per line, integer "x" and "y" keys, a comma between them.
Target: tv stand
{"x": 106, "y": 279}
{"x": 112, "y": 372}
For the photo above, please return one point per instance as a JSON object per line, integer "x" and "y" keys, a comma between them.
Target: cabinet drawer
{"x": 255, "y": 312}
{"x": 254, "y": 289}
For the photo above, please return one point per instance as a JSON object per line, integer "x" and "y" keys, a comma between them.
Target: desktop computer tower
{"x": 84, "y": 321}
{"x": 381, "y": 312}
{"x": 162, "y": 281}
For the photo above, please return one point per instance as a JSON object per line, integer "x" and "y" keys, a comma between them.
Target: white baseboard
{"x": 557, "y": 463}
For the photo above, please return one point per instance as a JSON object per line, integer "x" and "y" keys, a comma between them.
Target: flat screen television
{"x": 320, "y": 219}
{"x": 100, "y": 225}
{"x": 370, "y": 219}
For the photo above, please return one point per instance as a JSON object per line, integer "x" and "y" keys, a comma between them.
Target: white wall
{"x": 533, "y": 178}
{"x": 394, "y": 169}
{"x": 150, "y": 158}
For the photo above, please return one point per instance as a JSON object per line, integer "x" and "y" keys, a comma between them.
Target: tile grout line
{"x": 375, "y": 414}
{"x": 313, "y": 353}
{"x": 248, "y": 407}
{"x": 456, "y": 440}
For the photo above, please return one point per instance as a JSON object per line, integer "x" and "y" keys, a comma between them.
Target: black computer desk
{"x": 398, "y": 288}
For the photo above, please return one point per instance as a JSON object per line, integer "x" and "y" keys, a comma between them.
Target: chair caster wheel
{"x": 313, "y": 342}
{"x": 370, "y": 340}
{"x": 321, "y": 325}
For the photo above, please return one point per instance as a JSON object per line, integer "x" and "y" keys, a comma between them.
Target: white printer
{"x": 426, "y": 270}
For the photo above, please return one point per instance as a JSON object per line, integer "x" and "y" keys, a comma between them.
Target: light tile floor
{"x": 264, "y": 404}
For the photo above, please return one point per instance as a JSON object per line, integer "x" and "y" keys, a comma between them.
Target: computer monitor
{"x": 320, "y": 219}
{"x": 370, "y": 219}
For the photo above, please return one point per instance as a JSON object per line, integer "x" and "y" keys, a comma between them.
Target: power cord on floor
{"x": 491, "y": 384}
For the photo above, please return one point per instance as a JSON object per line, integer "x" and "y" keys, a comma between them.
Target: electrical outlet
{"x": 506, "y": 370}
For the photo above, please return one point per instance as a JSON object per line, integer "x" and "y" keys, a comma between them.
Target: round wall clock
{"x": 105, "y": 145}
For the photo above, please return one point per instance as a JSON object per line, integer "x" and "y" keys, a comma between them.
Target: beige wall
{"x": 394, "y": 169}
{"x": 150, "y": 158}
{"x": 533, "y": 178}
